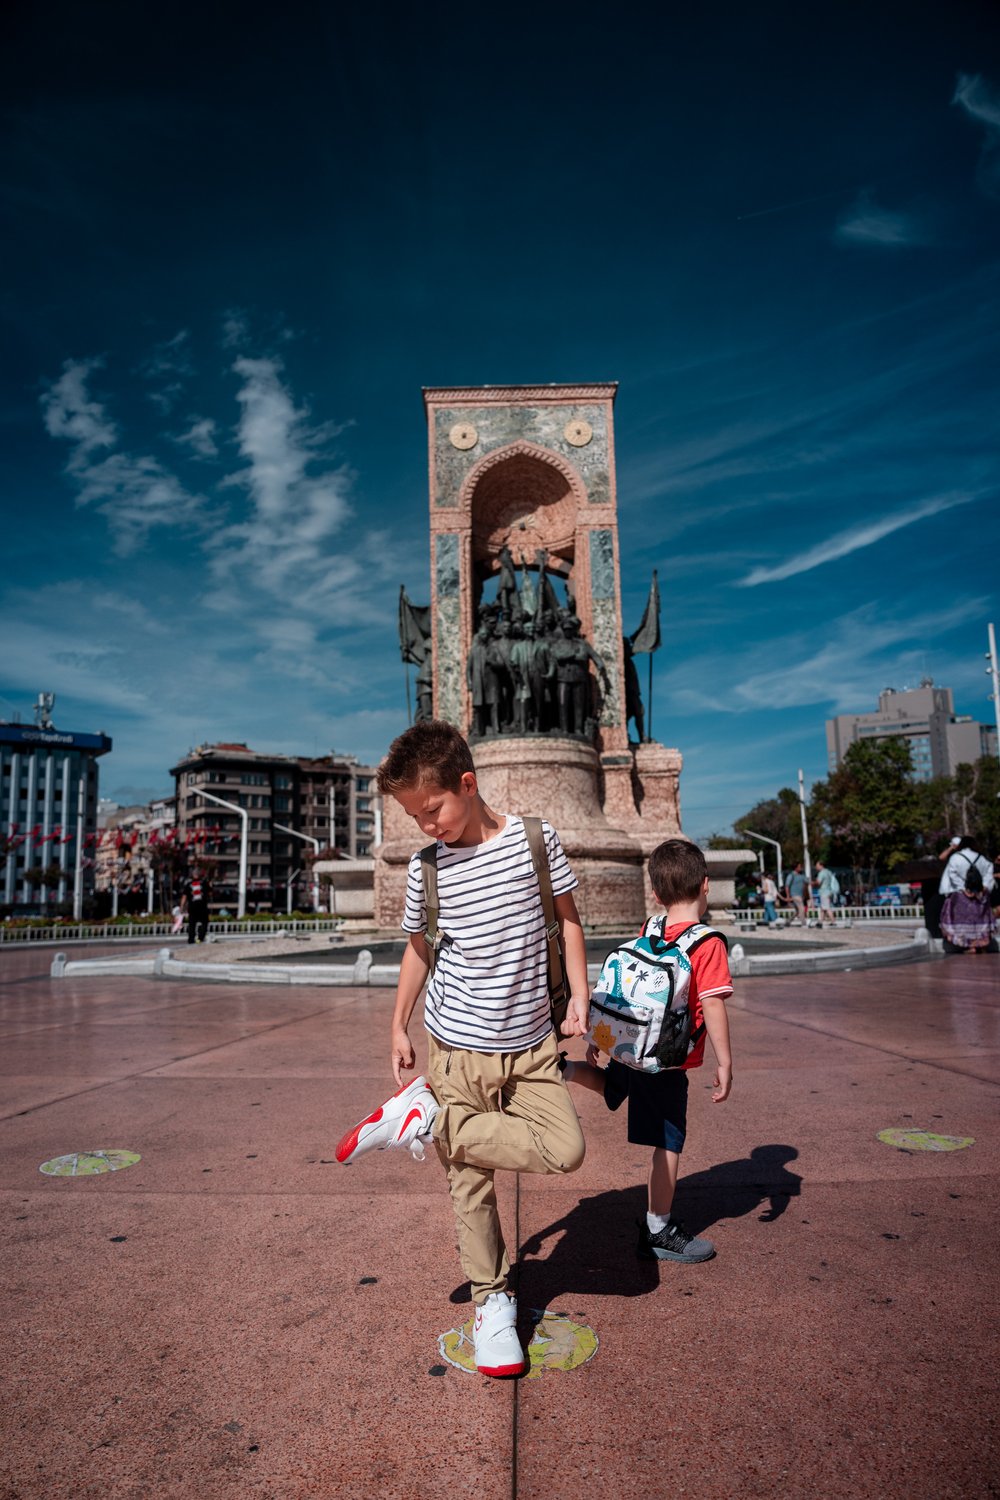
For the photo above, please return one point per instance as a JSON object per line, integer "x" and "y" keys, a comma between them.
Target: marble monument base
{"x": 553, "y": 778}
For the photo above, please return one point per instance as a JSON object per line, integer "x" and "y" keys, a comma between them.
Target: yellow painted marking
{"x": 89, "y": 1163}
{"x": 556, "y": 1344}
{"x": 924, "y": 1140}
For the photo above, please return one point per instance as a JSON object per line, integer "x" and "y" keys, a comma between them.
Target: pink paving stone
{"x": 202, "y": 1325}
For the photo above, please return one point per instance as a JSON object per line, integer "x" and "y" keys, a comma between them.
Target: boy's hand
{"x": 722, "y": 1083}
{"x": 577, "y": 1022}
{"x": 402, "y": 1054}
{"x": 593, "y": 1055}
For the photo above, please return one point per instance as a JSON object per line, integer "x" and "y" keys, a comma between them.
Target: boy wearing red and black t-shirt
{"x": 657, "y": 1102}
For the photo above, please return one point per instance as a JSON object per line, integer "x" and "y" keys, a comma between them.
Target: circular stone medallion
{"x": 924, "y": 1140}
{"x": 556, "y": 1344}
{"x": 463, "y": 435}
{"x": 578, "y": 432}
{"x": 89, "y": 1163}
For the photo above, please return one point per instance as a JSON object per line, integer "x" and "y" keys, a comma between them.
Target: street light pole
{"x": 316, "y": 846}
{"x": 805, "y": 832}
{"x": 765, "y": 840}
{"x": 241, "y": 902}
{"x": 78, "y": 871}
{"x": 994, "y": 671}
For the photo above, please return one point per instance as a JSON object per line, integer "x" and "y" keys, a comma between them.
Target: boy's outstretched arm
{"x": 412, "y": 976}
{"x": 713, "y": 1008}
{"x": 575, "y": 953}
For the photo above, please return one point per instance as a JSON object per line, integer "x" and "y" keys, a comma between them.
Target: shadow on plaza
{"x": 592, "y": 1249}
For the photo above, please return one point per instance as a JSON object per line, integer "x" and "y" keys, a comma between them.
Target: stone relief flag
{"x": 414, "y": 629}
{"x": 647, "y": 637}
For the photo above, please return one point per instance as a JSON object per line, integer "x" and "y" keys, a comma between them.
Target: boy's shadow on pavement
{"x": 733, "y": 1189}
{"x": 595, "y": 1252}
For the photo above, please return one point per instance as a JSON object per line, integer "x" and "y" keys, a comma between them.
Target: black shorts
{"x": 657, "y": 1104}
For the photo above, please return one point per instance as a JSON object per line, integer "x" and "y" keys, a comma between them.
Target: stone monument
{"x": 523, "y": 507}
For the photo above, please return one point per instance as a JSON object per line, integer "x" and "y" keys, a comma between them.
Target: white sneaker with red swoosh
{"x": 404, "y": 1120}
{"x": 494, "y": 1333}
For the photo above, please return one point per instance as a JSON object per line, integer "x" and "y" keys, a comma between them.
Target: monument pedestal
{"x": 643, "y": 788}
{"x": 552, "y": 778}
{"x": 559, "y": 780}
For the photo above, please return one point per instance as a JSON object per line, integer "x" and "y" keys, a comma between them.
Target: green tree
{"x": 868, "y": 813}
{"x": 966, "y": 803}
{"x": 777, "y": 818}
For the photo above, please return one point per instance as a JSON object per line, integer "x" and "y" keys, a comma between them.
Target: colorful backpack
{"x": 639, "y": 1011}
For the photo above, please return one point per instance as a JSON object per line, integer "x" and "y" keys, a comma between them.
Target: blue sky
{"x": 238, "y": 240}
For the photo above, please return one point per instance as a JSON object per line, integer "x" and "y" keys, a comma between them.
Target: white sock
{"x": 656, "y": 1222}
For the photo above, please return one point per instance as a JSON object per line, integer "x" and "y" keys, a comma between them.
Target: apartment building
{"x": 293, "y": 804}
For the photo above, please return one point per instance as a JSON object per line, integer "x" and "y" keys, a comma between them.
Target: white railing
{"x": 117, "y": 932}
{"x": 753, "y": 916}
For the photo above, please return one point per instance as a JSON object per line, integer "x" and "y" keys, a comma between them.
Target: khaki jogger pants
{"x": 508, "y": 1110}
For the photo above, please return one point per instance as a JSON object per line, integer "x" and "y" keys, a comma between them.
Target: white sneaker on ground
{"x": 403, "y": 1120}
{"x": 494, "y": 1332}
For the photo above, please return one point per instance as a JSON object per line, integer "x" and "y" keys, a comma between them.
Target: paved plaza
{"x": 235, "y": 1315}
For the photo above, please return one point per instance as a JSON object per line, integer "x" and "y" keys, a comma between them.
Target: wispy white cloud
{"x": 842, "y": 670}
{"x": 299, "y": 497}
{"x": 856, "y": 537}
{"x": 980, "y": 100}
{"x": 169, "y": 365}
{"x": 134, "y": 492}
{"x": 235, "y": 329}
{"x": 72, "y": 414}
{"x": 200, "y": 437}
{"x": 839, "y": 663}
{"x": 866, "y": 222}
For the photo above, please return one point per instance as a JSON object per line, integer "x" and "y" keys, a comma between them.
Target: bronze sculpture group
{"x": 528, "y": 668}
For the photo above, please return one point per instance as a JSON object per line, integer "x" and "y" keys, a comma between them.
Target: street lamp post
{"x": 305, "y": 837}
{"x": 765, "y": 840}
{"x": 78, "y": 871}
{"x": 805, "y": 831}
{"x": 993, "y": 671}
{"x": 241, "y": 902}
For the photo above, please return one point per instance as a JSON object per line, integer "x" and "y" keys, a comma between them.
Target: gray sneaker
{"x": 672, "y": 1243}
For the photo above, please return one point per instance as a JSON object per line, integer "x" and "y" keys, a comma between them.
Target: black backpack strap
{"x": 540, "y": 859}
{"x": 433, "y": 936}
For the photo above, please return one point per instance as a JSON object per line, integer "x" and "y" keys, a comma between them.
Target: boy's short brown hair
{"x": 677, "y": 871}
{"x": 431, "y": 751}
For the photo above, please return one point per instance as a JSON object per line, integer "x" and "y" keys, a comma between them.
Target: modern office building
{"x": 326, "y": 801}
{"x": 939, "y": 739}
{"x": 48, "y": 806}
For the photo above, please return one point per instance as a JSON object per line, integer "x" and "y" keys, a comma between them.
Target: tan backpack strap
{"x": 429, "y": 873}
{"x": 540, "y": 860}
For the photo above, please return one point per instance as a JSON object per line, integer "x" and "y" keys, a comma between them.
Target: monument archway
{"x": 529, "y": 469}
{"x": 528, "y": 500}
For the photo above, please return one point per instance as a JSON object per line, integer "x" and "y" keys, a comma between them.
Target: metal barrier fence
{"x": 753, "y": 916}
{"x": 73, "y": 932}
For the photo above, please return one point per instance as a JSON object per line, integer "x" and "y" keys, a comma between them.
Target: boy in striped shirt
{"x": 493, "y": 1096}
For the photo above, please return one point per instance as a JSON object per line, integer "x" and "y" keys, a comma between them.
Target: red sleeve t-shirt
{"x": 709, "y": 976}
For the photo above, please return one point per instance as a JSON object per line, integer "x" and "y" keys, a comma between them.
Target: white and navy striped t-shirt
{"x": 489, "y": 991}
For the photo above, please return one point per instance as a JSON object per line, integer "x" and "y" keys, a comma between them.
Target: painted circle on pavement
{"x": 556, "y": 1344}
{"x": 924, "y": 1140}
{"x": 89, "y": 1163}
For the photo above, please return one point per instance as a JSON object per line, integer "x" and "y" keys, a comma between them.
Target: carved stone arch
{"x": 526, "y": 497}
